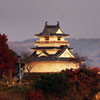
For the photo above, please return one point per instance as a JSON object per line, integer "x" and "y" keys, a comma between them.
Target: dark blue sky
{"x": 21, "y": 19}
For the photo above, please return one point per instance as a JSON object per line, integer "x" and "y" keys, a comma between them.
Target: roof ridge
{"x": 46, "y": 24}
{"x": 60, "y": 52}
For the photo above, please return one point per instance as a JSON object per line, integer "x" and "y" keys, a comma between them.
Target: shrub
{"x": 72, "y": 85}
{"x": 35, "y": 95}
{"x": 52, "y": 83}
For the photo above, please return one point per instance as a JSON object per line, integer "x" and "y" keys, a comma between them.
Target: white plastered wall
{"x": 52, "y": 66}
{"x": 52, "y": 38}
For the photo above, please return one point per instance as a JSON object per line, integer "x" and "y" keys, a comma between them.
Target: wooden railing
{"x": 42, "y": 42}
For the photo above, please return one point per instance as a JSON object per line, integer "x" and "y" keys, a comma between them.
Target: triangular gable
{"x": 59, "y": 31}
{"x": 42, "y": 54}
{"x": 66, "y": 54}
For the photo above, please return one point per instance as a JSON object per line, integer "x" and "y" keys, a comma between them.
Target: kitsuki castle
{"x": 52, "y": 53}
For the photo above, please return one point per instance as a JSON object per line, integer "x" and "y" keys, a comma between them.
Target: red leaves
{"x": 96, "y": 69}
{"x": 72, "y": 75}
{"x": 7, "y": 61}
{"x": 70, "y": 84}
{"x": 1, "y": 98}
{"x": 83, "y": 77}
{"x": 69, "y": 73}
{"x": 37, "y": 95}
{"x": 76, "y": 71}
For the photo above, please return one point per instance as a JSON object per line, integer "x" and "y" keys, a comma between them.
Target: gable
{"x": 59, "y": 31}
{"x": 42, "y": 54}
{"x": 66, "y": 54}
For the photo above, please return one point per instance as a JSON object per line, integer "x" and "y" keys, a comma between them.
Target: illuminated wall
{"x": 52, "y": 66}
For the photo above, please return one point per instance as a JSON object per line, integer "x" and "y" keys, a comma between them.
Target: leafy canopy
{"x": 7, "y": 59}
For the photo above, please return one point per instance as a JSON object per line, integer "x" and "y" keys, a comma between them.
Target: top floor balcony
{"x": 51, "y": 43}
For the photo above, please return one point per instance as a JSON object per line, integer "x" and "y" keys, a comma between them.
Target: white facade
{"x": 51, "y": 66}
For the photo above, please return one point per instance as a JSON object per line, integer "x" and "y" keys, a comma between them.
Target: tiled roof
{"x": 61, "y": 47}
{"x": 50, "y": 34}
{"x": 56, "y": 55}
{"x": 51, "y": 30}
{"x": 35, "y": 57}
{"x": 43, "y": 58}
{"x": 34, "y": 54}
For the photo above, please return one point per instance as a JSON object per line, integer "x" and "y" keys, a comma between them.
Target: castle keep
{"x": 52, "y": 53}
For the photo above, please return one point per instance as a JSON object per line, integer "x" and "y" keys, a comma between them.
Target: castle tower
{"x": 52, "y": 53}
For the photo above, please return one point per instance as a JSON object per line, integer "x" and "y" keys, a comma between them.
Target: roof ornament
{"x": 57, "y": 23}
{"x": 46, "y": 23}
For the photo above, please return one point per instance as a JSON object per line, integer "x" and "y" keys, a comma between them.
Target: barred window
{"x": 59, "y": 38}
{"x": 46, "y": 38}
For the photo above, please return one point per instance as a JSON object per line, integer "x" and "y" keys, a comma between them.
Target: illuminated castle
{"x": 52, "y": 53}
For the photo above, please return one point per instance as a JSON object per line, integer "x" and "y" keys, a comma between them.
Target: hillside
{"x": 89, "y": 48}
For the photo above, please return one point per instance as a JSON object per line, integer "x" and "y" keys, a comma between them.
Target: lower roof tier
{"x": 61, "y": 47}
{"x": 57, "y": 59}
{"x": 62, "y": 51}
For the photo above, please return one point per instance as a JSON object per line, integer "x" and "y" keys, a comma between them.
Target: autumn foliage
{"x": 7, "y": 60}
{"x": 36, "y": 95}
{"x": 81, "y": 84}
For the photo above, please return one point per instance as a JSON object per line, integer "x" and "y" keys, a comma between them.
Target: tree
{"x": 81, "y": 60}
{"x": 27, "y": 60}
{"x": 7, "y": 59}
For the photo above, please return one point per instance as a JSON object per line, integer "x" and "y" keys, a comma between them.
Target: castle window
{"x": 59, "y": 38}
{"x": 46, "y": 38}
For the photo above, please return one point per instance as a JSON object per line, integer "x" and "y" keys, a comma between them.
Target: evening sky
{"x": 21, "y": 19}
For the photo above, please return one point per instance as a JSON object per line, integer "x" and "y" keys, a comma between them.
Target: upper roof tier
{"x": 50, "y": 30}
